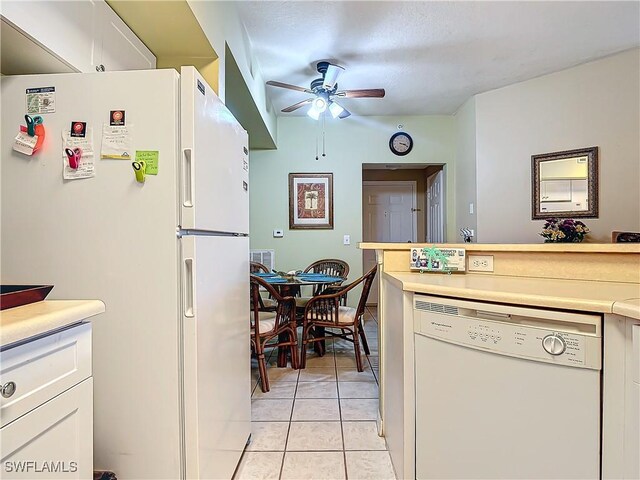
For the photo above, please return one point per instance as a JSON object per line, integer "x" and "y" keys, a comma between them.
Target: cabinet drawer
{"x": 44, "y": 368}
{"x": 54, "y": 441}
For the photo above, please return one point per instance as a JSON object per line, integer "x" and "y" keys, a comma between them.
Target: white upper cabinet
{"x": 85, "y": 34}
{"x": 70, "y": 30}
{"x": 121, "y": 49}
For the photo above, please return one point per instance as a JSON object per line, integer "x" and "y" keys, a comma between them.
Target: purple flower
{"x": 566, "y": 230}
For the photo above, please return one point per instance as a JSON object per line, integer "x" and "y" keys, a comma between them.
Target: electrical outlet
{"x": 480, "y": 263}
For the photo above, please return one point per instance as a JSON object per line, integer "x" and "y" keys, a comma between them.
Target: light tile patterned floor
{"x": 320, "y": 422}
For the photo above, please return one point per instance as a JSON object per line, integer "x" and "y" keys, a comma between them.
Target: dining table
{"x": 289, "y": 285}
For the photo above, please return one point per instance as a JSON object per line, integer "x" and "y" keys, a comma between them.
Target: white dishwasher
{"x": 506, "y": 392}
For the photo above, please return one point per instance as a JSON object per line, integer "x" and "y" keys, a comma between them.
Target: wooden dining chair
{"x": 326, "y": 312}
{"x": 267, "y": 325}
{"x": 257, "y": 267}
{"x": 265, "y": 303}
{"x": 327, "y": 266}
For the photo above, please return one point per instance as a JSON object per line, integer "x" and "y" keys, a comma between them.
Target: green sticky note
{"x": 150, "y": 158}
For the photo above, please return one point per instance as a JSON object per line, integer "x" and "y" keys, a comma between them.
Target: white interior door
{"x": 214, "y": 187}
{"x": 435, "y": 208}
{"x": 217, "y": 355}
{"x": 389, "y": 216}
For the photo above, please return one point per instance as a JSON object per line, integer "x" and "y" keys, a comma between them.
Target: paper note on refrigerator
{"x": 86, "y": 165}
{"x": 150, "y": 158}
{"x": 117, "y": 142}
{"x": 24, "y": 143}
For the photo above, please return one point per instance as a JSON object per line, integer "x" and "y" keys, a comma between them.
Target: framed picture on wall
{"x": 311, "y": 201}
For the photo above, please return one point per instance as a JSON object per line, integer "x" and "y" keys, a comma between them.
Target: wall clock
{"x": 401, "y": 143}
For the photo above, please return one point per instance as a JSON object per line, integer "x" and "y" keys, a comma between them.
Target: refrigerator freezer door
{"x": 216, "y": 353}
{"x": 214, "y": 187}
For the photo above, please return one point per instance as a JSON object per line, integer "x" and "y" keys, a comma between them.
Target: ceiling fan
{"x": 325, "y": 91}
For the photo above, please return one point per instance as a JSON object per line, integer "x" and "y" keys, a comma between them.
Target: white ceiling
{"x": 430, "y": 56}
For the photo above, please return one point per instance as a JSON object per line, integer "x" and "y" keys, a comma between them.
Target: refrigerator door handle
{"x": 187, "y": 178}
{"x": 189, "y": 290}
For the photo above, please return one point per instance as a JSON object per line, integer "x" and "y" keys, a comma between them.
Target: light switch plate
{"x": 347, "y": 240}
{"x": 278, "y": 233}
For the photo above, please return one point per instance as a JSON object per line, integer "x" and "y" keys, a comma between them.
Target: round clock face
{"x": 401, "y": 143}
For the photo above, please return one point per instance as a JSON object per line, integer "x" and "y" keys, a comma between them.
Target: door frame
{"x": 399, "y": 183}
{"x": 443, "y": 205}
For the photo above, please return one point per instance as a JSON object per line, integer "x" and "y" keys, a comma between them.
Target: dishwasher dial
{"x": 554, "y": 344}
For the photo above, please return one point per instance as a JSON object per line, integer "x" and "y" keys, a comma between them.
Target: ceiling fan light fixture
{"x": 335, "y": 109}
{"x": 313, "y": 112}
{"x": 320, "y": 104}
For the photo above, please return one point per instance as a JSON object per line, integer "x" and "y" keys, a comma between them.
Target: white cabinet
{"x": 70, "y": 30}
{"x": 55, "y": 437}
{"x": 47, "y": 407}
{"x": 555, "y": 190}
{"x": 632, "y": 401}
{"x": 120, "y": 48}
{"x": 621, "y": 398}
{"x": 85, "y": 34}
{"x": 563, "y": 195}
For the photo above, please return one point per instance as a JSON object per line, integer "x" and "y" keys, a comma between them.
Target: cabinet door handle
{"x": 8, "y": 389}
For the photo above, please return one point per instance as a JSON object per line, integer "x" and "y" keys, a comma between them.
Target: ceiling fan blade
{"x": 297, "y": 105}
{"x": 273, "y": 83}
{"x": 345, "y": 113}
{"x": 367, "y": 93}
{"x": 331, "y": 76}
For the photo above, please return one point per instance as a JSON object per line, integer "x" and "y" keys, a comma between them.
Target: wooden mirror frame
{"x": 592, "y": 184}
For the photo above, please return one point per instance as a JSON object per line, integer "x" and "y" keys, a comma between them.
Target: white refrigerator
{"x": 169, "y": 258}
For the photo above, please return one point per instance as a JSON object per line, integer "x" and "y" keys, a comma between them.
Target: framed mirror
{"x": 565, "y": 184}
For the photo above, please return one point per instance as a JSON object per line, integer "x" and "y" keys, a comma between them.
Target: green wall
{"x": 349, "y": 143}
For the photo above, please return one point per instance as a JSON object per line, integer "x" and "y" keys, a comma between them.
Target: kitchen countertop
{"x": 35, "y": 319}
{"x": 581, "y": 295}
{"x": 514, "y": 247}
{"x": 628, "y": 308}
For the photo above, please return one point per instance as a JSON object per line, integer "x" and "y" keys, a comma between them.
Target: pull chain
{"x": 317, "y": 142}
{"x": 323, "y": 150}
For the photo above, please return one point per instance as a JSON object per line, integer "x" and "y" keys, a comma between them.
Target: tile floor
{"x": 320, "y": 422}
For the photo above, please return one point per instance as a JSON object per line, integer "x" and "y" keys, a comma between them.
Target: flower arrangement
{"x": 567, "y": 230}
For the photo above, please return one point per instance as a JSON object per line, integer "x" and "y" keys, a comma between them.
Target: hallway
{"x": 320, "y": 422}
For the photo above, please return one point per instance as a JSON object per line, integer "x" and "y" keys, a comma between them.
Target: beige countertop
{"x": 628, "y": 308}
{"x": 581, "y": 295}
{"x": 514, "y": 247}
{"x": 21, "y": 323}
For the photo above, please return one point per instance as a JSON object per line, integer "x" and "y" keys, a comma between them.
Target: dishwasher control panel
{"x": 553, "y": 345}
